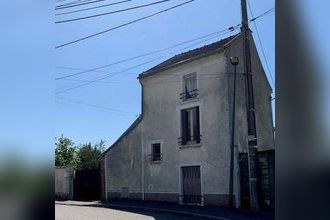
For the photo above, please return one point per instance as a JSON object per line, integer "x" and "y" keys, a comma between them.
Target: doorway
{"x": 191, "y": 185}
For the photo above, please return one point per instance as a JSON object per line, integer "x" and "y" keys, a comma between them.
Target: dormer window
{"x": 189, "y": 87}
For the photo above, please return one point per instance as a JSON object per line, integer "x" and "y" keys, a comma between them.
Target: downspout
{"x": 142, "y": 142}
{"x": 105, "y": 177}
{"x": 142, "y": 161}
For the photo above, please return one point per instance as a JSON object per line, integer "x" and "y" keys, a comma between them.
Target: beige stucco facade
{"x": 128, "y": 171}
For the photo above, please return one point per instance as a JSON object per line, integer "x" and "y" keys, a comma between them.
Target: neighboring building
{"x": 178, "y": 150}
{"x": 64, "y": 182}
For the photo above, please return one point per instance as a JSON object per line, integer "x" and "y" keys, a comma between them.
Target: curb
{"x": 148, "y": 209}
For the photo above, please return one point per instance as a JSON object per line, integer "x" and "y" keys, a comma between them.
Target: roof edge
{"x": 209, "y": 53}
{"x": 128, "y": 130}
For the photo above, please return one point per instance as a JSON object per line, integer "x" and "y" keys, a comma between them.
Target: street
{"x": 66, "y": 212}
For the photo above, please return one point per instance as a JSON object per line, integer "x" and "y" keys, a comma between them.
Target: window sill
{"x": 156, "y": 162}
{"x": 184, "y": 101}
{"x": 190, "y": 146}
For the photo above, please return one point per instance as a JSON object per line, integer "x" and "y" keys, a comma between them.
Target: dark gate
{"x": 87, "y": 185}
{"x": 191, "y": 185}
{"x": 267, "y": 180}
{"x": 244, "y": 180}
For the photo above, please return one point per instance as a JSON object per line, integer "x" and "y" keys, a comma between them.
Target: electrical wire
{"x": 107, "y": 76}
{"x": 91, "y": 8}
{"x": 230, "y": 29}
{"x": 72, "y": 3}
{"x": 72, "y": 68}
{"x": 112, "y": 74}
{"x": 261, "y": 45}
{"x": 123, "y": 25}
{"x": 93, "y": 105}
{"x": 111, "y": 12}
{"x": 152, "y": 52}
{"x": 78, "y": 4}
{"x": 263, "y": 14}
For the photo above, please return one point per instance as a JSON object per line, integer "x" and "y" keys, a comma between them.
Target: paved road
{"x": 64, "y": 212}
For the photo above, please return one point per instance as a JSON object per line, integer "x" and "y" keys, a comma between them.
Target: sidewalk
{"x": 196, "y": 211}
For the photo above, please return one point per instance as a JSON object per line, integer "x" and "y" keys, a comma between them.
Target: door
{"x": 191, "y": 185}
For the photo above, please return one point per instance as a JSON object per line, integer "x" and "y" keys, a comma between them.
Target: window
{"x": 156, "y": 154}
{"x": 190, "y": 131}
{"x": 189, "y": 87}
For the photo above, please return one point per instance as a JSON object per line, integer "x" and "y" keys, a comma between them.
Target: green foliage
{"x": 86, "y": 156}
{"x": 64, "y": 151}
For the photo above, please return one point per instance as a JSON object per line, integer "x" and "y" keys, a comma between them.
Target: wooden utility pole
{"x": 251, "y": 121}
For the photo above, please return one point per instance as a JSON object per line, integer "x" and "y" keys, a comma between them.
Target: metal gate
{"x": 191, "y": 185}
{"x": 87, "y": 185}
{"x": 244, "y": 180}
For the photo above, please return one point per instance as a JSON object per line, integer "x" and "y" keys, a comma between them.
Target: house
{"x": 178, "y": 150}
{"x": 64, "y": 182}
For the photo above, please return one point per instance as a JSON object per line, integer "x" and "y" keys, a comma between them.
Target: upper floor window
{"x": 189, "y": 87}
{"x": 190, "y": 129}
{"x": 156, "y": 154}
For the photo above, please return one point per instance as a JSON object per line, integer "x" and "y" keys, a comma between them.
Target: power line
{"x": 86, "y": 9}
{"x": 95, "y": 7}
{"x": 125, "y": 24}
{"x": 150, "y": 53}
{"x": 157, "y": 51}
{"x": 111, "y": 12}
{"x": 112, "y": 74}
{"x": 263, "y": 14}
{"x": 107, "y": 76}
{"x": 81, "y": 106}
{"x": 105, "y": 82}
{"x": 72, "y": 3}
{"x": 93, "y": 105}
{"x": 260, "y": 42}
{"x": 68, "y": 3}
{"x": 78, "y": 4}
{"x": 72, "y": 68}
{"x": 58, "y": 1}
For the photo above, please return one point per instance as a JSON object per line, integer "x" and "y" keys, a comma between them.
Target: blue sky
{"x": 85, "y": 123}
{"x": 31, "y": 115}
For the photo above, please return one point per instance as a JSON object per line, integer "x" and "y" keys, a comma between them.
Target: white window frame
{"x": 183, "y": 81}
{"x": 151, "y": 148}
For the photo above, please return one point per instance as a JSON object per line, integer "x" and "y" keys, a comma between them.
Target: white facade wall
{"x": 161, "y": 121}
{"x": 64, "y": 182}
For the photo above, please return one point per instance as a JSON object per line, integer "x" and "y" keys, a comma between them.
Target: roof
{"x": 189, "y": 56}
{"x": 129, "y": 129}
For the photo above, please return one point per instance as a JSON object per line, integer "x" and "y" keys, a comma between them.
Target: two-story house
{"x": 178, "y": 150}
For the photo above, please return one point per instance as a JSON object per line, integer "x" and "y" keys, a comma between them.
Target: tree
{"x": 64, "y": 151}
{"x": 88, "y": 155}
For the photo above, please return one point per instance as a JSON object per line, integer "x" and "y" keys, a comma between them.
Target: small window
{"x": 156, "y": 154}
{"x": 189, "y": 87}
{"x": 190, "y": 129}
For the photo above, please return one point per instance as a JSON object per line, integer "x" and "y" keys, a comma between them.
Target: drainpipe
{"x": 142, "y": 141}
{"x": 234, "y": 61}
{"x": 105, "y": 177}
{"x": 142, "y": 161}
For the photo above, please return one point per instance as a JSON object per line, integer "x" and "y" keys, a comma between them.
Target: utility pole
{"x": 251, "y": 121}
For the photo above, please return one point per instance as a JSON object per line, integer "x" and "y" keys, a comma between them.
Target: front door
{"x": 191, "y": 185}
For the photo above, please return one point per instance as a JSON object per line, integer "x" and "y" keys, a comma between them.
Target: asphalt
{"x": 65, "y": 212}
{"x": 220, "y": 213}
